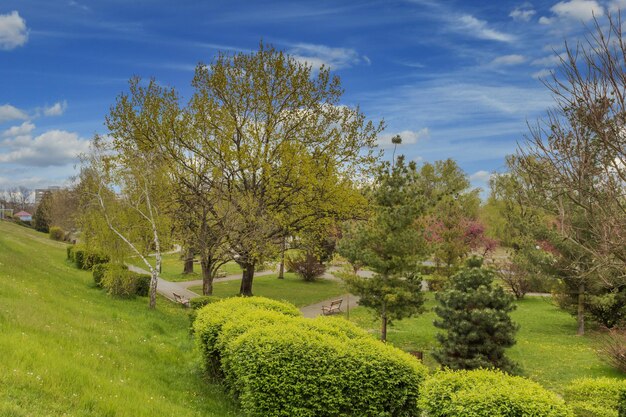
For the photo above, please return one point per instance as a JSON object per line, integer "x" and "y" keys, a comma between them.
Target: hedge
{"x": 595, "y": 397}
{"x": 56, "y": 233}
{"x": 85, "y": 258}
{"x": 488, "y": 393}
{"x": 291, "y": 370}
{"x": 280, "y": 364}
{"x": 621, "y": 407}
{"x": 211, "y": 318}
{"x": 121, "y": 282}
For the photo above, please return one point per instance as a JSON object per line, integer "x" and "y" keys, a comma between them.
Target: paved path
{"x": 167, "y": 288}
{"x": 349, "y": 301}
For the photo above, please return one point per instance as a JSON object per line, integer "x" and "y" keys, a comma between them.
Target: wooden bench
{"x": 180, "y": 299}
{"x": 334, "y": 307}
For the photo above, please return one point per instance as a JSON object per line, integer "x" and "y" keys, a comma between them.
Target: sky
{"x": 456, "y": 79}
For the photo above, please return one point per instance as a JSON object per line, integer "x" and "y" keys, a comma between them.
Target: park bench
{"x": 334, "y": 307}
{"x": 180, "y": 299}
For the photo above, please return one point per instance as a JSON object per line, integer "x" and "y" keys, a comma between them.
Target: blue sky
{"x": 457, "y": 79}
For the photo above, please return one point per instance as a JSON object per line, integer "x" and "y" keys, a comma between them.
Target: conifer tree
{"x": 475, "y": 316}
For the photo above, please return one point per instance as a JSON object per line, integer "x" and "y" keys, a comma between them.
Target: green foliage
{"x": 608, "y": 309}
{"x": 306, "y": 265}
{"x": 85, "y": 258}
{"x": 475, "y": 316}
{"x": 621, "y": 407}
{"x": 56, "y": 233}
{"x": 199, "y": 302}
{"x": 280, "y": 364}
{"x": 488, "y": 393}
{"x": 595, "y": 397}
{"x": 69, "y": 251}
{"x": 390, "y": 243}
{"x": 120, "y": 282}
{"x": 41, "y": 218}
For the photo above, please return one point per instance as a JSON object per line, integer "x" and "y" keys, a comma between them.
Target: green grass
{"x": 68, "y": 349}
{"x": 172, "y": 268}
{"x": 292, "y": 289}
{"x": 548, "y": 349}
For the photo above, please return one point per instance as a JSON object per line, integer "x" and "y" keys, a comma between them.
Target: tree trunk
{"x": 383, "y": 327}
{"x": 207, "y": 276}
{"x": 281, "y": 269}
{"x": 188, "y": 268}
{"x": 246, "y": 280}
{"x": 153, "y": 287}
{"x": 581, "y": 309}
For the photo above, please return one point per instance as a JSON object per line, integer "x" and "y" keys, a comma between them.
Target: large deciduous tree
{"x": 391, "y": 244}
{"x": 575, "y": 161}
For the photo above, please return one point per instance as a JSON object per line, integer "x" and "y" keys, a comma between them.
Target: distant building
{"x": 40, "y": 192}
{"x": 24, "y": 216}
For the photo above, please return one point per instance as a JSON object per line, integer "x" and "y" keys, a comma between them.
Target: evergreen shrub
{"x": 487, "y": 393}
{"x": 56, "y": 233}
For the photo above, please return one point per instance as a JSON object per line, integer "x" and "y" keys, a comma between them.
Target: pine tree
{"x": 475, "y": 316}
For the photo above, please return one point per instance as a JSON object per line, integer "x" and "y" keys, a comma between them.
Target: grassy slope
{"x": 292, "y": 289}
{"x": 547, "y": 348}
{"x": 69, "y": 349}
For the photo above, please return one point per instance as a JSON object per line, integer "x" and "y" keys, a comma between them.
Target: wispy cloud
{"x": 318, "y": 55}
{"x": 523, "y": 13}
{"x": 573, "y": 10}
{"x": 57, "y": 109}
{"x": 13, "y": 31}
{"x": 409, "y": 137}
{"x": 508, "y": 60}
{"x": 480, "y": 29}
{"x": 9, "y": 112}
{"x": 14, "y": 131}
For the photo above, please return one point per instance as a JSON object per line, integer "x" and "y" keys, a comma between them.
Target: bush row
{"x": 119, "y": 281}
{"x": 595, "y": 397}
{"x": 488, "y": 393}
{"x": 84, "y": 258}
{"x": 280, "y": 364}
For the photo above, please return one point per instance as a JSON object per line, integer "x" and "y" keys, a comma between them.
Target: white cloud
{"x": 318, "y": 55}
{"x": 409, "y": 137}
{"x": 522, "y": 13}
{"x": 550, "y": 60}
{"x": 479, "y": 29}
{"x": 577, "y": 10}
{"x": 13, "y": 31}
{"x": 23, "y": 129}
{"x": 8, "y": 112}
{"x": 506, "y": 60}
{"x": 617, "y": 5}
{"x": 57, "y": 109}
{"x": 543, "y": 73}
{"x": 480, "y": 176}
{"x": 52, "y": 148}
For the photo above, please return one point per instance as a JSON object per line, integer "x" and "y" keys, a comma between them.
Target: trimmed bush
{"x": 211, "y": 318}
{"x": 56, "y": 233}
{"x": 121, "y": 282}
{"x": 70, "y": 253}
{"x": 291, "y": 370}
{"x": 488, "y": 393}
{"x": 595, "y": 397}
{"x": 79, "y": 254}
{"x": 199, "y": 302}
{"x": 142, "y": 284}
{"x": 280, "y": 364}
{"x": 621, "y": 407}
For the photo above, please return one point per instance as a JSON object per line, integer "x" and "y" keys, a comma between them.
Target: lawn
{"x": 172, "y": 268}
{"x": 292, "y": 289}
{"x": 547, "y": 350}
{"x": 68, "y": 349}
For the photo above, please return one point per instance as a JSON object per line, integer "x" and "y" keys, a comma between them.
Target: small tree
{"x": 41, "y": 218}
{"x": 474, "y": 313}
{"x": 391, "y": 243}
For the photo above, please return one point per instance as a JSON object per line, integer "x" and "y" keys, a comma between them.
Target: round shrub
{"x": 211, "y": 318}
{"x": 291, "y": 369}
{"x": 56, "y": 233}
{"x": 488, "y": 393}
{"x": 595, "y": 397}
{"x": 142, "y": 284}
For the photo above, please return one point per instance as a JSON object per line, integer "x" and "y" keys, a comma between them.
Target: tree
{"x": 126, "y": 188}
{"x": 282, "y": 152}
{"x": 474, "y": 313}
{"x": 64, "y": 209}
{"x": 391, "y": 244}
{"x": 41, "y": 218}
{"x": 575, "y": 163}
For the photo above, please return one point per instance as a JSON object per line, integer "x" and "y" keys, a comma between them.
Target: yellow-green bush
{"x": 280, "y": 364}
{"x": 488, "y": 393}
{"x": 56, "y": 233}
{"x": 210, "y": 319}
{"x": 121, "y": 282}
{"x": 595, "y": 397}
